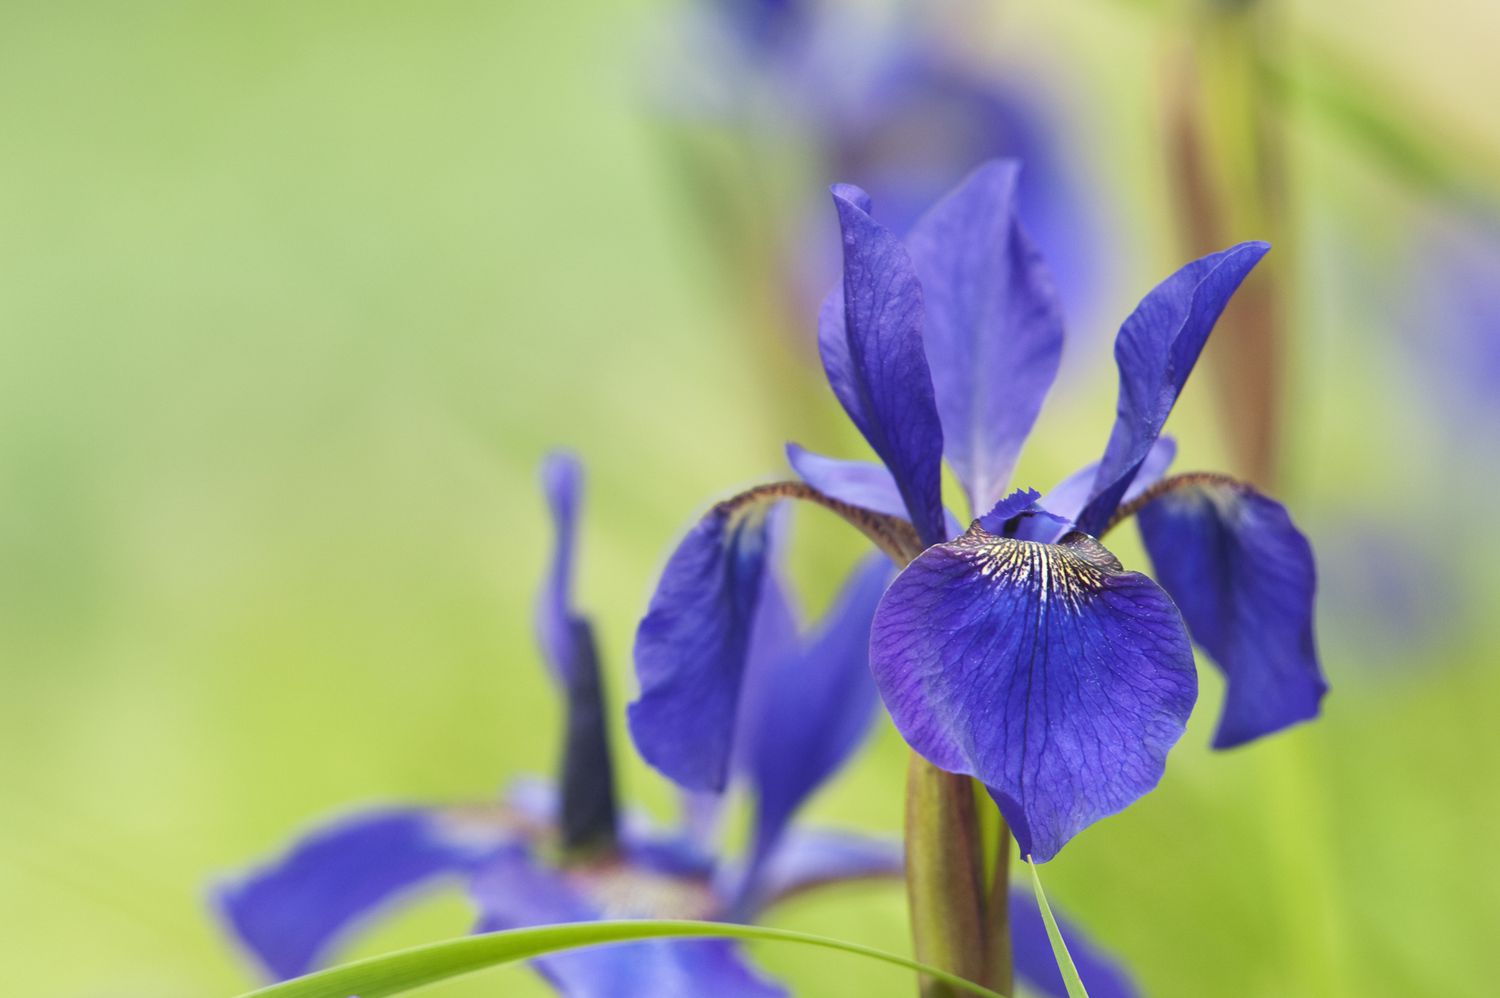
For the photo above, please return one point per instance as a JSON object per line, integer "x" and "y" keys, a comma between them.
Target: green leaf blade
{"x": 406, "y": 970}
{"x": 1060, "y": 953}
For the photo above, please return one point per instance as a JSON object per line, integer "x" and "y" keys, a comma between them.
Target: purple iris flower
{"x": 890, "y": 100}
{"x": 543, "y": 856}
{"x": 1020, "y": 652}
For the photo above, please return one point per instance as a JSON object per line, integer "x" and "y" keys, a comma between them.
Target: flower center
{"x": 621, "y": 890}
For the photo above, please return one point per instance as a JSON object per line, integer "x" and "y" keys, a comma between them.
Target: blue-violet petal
{"x": 870, "y": 339}
{"x": 1046, "y": 671}
{"x": 290, "y": 913}
{"x": 994, "y": 326}
{"x": 1155, "y": 351}
{"x": 1243, "y": 576}
{"x": 692, "y": 646}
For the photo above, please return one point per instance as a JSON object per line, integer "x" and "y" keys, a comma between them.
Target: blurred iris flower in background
{"x": 545, "y": 856}
{"x": 1020, "y": 653}
{"x": 884, "y": 93}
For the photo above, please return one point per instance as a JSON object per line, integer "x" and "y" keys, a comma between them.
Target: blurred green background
{"x": 294, "y": 296}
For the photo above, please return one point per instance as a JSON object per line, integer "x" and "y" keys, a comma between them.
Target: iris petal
{"x": 567, "y": 643}
{"x": 1243, "y": 576}
{"x": 1157, "y": 347}
{"x": 812, "y": 857}
{"x": 1019, "y": 501}
{"x": 1068, "y": 497}
{"x": 1046, "y": 671}
{"x": 870, "y": 339}
{"x": 994, "y": 327}
{"x": 562, "y": 484}
{"x": 859, "y": 483}
{"x": 1102, "y": 975}
{"x": 811, "y": 709}
{"x": 514, "y": 891}
{"x": 290, "y": 913}
{"x": 692, "y": 646}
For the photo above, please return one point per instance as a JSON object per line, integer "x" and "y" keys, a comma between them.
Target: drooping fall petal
{"x": 1046, "y": 671}
{"x": 1244, "y": 578}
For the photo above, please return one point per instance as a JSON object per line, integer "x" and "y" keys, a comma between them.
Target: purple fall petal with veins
{"x": 1045, "y": 671}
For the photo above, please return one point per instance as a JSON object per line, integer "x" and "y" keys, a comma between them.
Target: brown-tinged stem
{"x": 891, "y": 534}
{"x": 1161, "y": 488}
{"x": 1228, "y": 161}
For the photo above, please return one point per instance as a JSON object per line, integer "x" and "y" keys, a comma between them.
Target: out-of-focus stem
{"x": 1001, "y": 966}
{"x": 1227, "y": 157}
{"x": 945, "y": 887}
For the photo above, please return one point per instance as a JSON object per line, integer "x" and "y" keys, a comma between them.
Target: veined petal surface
{"x": 994, "y": 326}
{"x": 1244, "y": 578}
{"x": 692, "y": 646}
{"x": 1046, "y": 671}
{"x": 870, "y": 339}
{"x": 1155, "y": 351}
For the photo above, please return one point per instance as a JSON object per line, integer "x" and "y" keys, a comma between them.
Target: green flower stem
{"x": 1001, "y": 964}
{"x": 406, "y": 970}
{"x": 952, "y": 924}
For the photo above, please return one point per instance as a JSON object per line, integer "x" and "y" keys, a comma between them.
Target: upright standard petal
{"x": 567, "y": 643}
{"x": 589, "y": 814}
{"x": 1046, "y": 671}
{"x": 691, "y": 647}
{"x": 1243, "y": 576}
{"x": 1157, "y": 347}
{"x": 514, "y": 891}
{"x": 291, "y": 913}
{"x": 994, "y": 329}
{"x": 811, "y": 709}
{"x": 870, "y": 338}
{"x": 562, "y": 484}
{"x": 1102, "y": 975}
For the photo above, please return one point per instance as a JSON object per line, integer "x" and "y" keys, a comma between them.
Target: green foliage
{"x": 407, "y": 970}
{"x": 1059, "y": 948}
